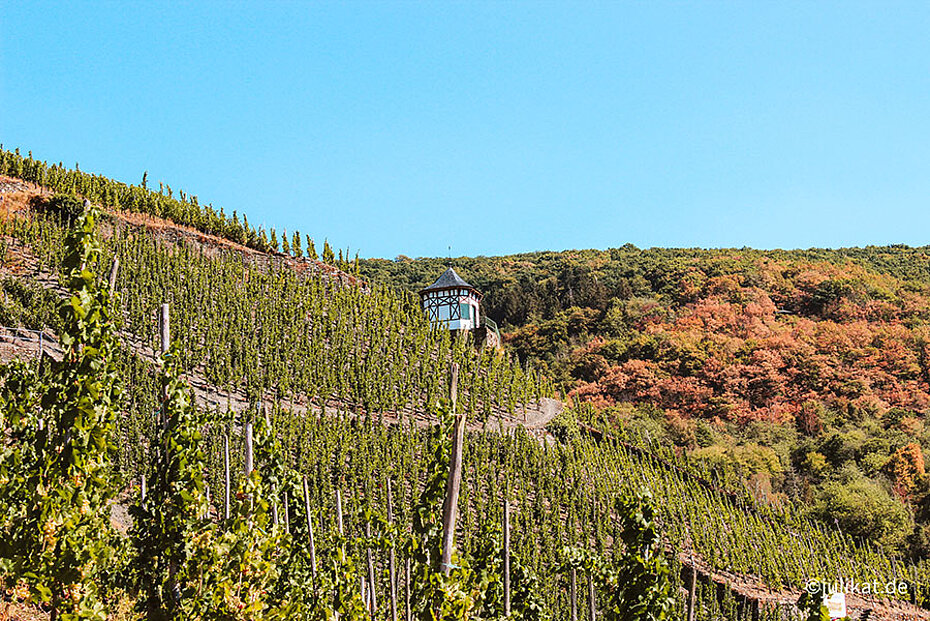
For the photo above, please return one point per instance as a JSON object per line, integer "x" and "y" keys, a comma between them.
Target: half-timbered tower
{"x": 452, "y": 302}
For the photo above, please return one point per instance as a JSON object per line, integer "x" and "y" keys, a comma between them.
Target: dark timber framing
{"x": 447, "y": 292}
{"x": 434, "y": 300}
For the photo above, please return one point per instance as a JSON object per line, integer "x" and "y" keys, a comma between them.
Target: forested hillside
{"x": 807, "y": 371}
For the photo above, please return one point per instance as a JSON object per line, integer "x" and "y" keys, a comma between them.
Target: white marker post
{"x": 836, "y": 605}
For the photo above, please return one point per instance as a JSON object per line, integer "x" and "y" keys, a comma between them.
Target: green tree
{"x": 864, "y": 509}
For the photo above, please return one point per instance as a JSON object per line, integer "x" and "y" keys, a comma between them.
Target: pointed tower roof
{"x": 449, "y": 280}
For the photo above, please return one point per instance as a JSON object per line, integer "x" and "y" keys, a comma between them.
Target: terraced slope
{"x": 261, "y": 333}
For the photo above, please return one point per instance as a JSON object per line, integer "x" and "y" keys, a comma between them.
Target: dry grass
{"x": 15, "y": 611}
{"x": 18, "y": 611}
{"x": 15, "y": 195}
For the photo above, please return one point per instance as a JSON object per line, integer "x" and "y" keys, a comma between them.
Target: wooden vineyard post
{"x": 755, "y": 610}
{"x": 226, "y": 480}
{"x": 248, "y": 449}
{"x": 164, "y": 330}
{"x": 142, "y": 486}
{"x": 206, "y": 489}
{"x": 591, "y": 615}
{"x": 373, "y": 606}
{"x": 391, "y": 571}
{"x": 363, "y": 592}
{"x": 339, "y": 511}
{"x": 274, "y": 505}
{"x": 113, "y": 270}
{"x": 692, "y": 591}
{"x": 339, "y": 517}
{"x": 310, "y": 530}
{"x": 454, "y": 386}
{"x": 274, "y": 488}
{"x": 287, "y": 517}
{"x": 164, "y": 338}
{"x": 407, "y": 589}
{"x": 506, "y": 557}
{"x": 249, "y": 457}
{"x": 573, "y": 594}
{"x": 342, "y": 547}
{"x": 164, "y": 341}
{"x": 454, "y": 482}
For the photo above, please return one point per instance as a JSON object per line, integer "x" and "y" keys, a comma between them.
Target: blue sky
{"x": 493, "y": 128}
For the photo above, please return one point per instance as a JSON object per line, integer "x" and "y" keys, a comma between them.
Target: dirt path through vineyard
{"x": 752, "y": 589}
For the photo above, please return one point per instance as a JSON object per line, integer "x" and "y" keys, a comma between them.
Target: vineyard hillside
{"x": 24, "y": 202}
{"x": 264, "y": 420}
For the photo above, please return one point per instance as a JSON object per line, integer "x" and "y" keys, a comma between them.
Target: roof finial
{"x": 450, "y": 255}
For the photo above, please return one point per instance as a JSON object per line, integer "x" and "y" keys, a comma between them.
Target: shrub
{"x": 864, "y": 509}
